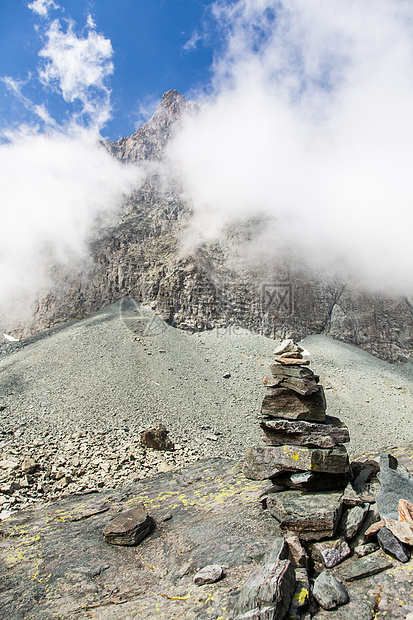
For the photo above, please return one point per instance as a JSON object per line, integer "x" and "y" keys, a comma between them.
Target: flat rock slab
{"x": 303, "y": 433}
{"x": 311, "y": 516}
{"x": 298, "y": 378}
{"x": 128, "y": 528}
{"x": 263, "y": 462}
{"x": 285, "y": 403}
{"x": 364, "y": 567}
{"x": 55, "y": 562}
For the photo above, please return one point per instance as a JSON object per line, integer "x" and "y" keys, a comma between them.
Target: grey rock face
{"x": 392, "y": 545}
{"x": 129, "y": 528}
{"x": 352, "y": 520}
{"x": 297, "y": 378}
{"x": 364, "y": 567}
{"x": 268, "y": 461}
{"x": 329, "y": 592}
{"x": 396, "y": 483}
{"x": 304, "y": 433}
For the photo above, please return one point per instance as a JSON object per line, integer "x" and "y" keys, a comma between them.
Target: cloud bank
{"x": 309, "y": 125}
{"x": 56, "y": 180}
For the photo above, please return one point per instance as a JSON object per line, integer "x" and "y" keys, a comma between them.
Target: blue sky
{"x": 157, "y": 45}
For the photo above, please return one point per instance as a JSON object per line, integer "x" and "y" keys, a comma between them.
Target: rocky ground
{"x": 75, "y": 399}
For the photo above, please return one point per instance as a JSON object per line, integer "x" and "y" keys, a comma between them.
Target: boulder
{"x": 157, "y": 438}
{"x": 305, "y": 433}
{"x": 268, "y": 461}
{"x": 311, "y": 516}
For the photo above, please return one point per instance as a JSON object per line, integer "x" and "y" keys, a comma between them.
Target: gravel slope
{"x": 106, "y": 373}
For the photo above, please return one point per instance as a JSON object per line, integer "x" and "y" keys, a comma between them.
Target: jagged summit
{"x": 149, "y": 141}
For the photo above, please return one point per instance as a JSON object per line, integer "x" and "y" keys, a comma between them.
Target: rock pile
{"x": 325, "y": 507}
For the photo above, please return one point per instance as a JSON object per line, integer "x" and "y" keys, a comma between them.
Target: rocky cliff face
{"x": 215, "y": 286}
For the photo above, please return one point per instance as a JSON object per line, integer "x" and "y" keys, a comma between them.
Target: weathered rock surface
{"x": 129, "y": 528}
{"x": 329, "y": 592}
{"x": 311, "y": 481}
{"x": 55, "y": 558}
{"x": 352, "y": 520}
{"x": 330, "y": 552}
{"x": 396, "y": 483}
{"x": 304, "y": 433}
{"x": 313, "y": 515}
{"x": 268, "y": 461}
{"x": 364, "y": 567}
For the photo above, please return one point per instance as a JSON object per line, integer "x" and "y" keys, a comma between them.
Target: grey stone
{"x": 352, "y": 520}
{"x": 392, "y": 545}
{"x": 272, "y": 585}
{"x": 329, "y": 592}
{"x": 330, "y": 552}
{"x": 208, "y": 574}
{"x": 129, "y": 528}
{"x": 364, "y": 567}
{"x": 279, "y": 550}
{"x": 288, "y": 346}
{"x": 396, "y": 483}
{"x": 157, "y": 438}
{"x": 301, "y": 432}
{"x": 313, "y": 515}
{"x": 284, "y": 403}
{"x": 263, "y": 462}
{"x": 263, "y": 613}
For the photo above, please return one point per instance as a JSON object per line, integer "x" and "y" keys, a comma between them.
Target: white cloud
{"x": 310, "y": 124}
{"x": 78, "y": 67}
{"x": 53, "y": 189}
{"x": 42, "y": 7}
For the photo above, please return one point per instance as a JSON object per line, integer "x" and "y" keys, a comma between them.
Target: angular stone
{"x": 371, "y": 517}
{"x": 298, "y": 378}
{"x": 304, "y": 433}
{"x": 284, "y": 403}
{"x": 208, "y": 574}
{"x": 272, "y": 585}
{"x": 314, "y": 515}
{"x": 366, "y": 484}
{"x": 330, "y": 552}
{"x": 264, "y": 613}
{"x": 288, "y": 346}
{"x": 352, "y": 520}
{"x": 268, "y": 461}
{"x": 392, "y": 545}
{"x": 157, "y": 438}
{"x": 128, "y": 528}
{"x": 297, "y": 554}
{"x": 364, "y": 567}
{"x": 278, "y": 551}
{"x": 29, "y": 465}
{"x": 396, "y": 483}
{"x": 329, "y": 592}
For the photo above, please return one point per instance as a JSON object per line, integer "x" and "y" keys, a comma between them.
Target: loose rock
{"x": 208, "y": 574}
{"x": 129, "y": 528}
{"x": 329, "y": 592}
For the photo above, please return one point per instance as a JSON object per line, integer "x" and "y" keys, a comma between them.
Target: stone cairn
{"x": 324, "y": 506}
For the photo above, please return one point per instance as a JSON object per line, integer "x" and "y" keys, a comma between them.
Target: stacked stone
{"x": 304, "y": 449}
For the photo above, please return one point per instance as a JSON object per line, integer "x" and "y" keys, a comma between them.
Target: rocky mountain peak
{"x": 149, "y": 141}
